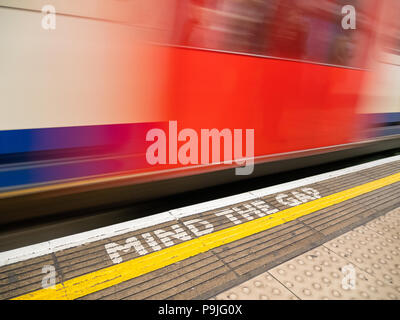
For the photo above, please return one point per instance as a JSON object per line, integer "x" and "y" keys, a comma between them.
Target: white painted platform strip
{"x": 40, "y": 249}
{"x": 212, "y": 205}
{"x": 321, "y": 177}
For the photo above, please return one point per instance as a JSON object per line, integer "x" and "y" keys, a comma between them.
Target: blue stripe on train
{"x": 28, "y": 175}
{"x": 115, "y": 137}
{"x": 125, "y": 143}
{"x": 381, "y": 124}
{"x": 30, "y": 140}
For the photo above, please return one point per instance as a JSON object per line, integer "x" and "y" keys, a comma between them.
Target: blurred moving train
{"x": 77, "y": 100}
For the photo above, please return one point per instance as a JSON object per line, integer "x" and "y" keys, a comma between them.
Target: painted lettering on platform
{"x": 158, "y": 239}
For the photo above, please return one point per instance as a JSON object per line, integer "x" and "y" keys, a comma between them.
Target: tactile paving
{"x": 361, "y": 264}
{"x": 318, "y": 275}
{"x": 388, "y": 226}
{"x": 262, "y": 287}
{"x": 369, "y": 251}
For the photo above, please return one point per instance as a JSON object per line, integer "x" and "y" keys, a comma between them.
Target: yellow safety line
{"x": 110, "y": 276}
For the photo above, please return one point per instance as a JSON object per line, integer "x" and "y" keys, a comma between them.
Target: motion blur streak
{"x": 78, "y": 101}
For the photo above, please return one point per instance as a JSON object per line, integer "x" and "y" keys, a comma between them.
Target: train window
{"x": 230, "y": 25}
{"x": 391, "y": 28}
{"x": 149, "y": 15}
{"x": 296, "y": 29}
